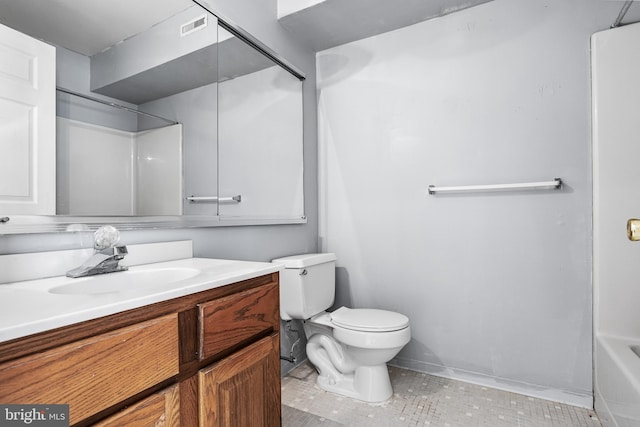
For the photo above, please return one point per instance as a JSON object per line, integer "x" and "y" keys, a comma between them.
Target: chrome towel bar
{"x": 556, "y": 184}
{"x": 237, "y": 199}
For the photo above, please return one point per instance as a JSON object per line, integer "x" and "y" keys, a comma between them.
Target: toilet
{"x": 349, "y": 347}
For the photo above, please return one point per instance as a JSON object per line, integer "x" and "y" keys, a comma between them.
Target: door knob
{"x": 633, "y": 229}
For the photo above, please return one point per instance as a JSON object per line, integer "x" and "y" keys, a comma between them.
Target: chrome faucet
{"x": 106, "y": 256}
{"x": 104, "y": 261}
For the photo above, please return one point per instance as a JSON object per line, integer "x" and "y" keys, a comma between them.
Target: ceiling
{"x": 91, "y": 26}
{"x": 86, "y": 26}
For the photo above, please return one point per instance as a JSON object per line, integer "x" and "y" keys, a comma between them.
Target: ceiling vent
{"x": 194, "y": 25}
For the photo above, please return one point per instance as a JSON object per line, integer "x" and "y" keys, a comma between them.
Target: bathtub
{"x": 617, "y": 381}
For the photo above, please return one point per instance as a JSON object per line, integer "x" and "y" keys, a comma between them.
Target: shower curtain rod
{"x": 113, "y": 104}
{"x": 623, "y": 12}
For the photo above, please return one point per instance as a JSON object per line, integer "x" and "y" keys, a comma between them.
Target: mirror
{"x": 259, "y": 134}
{"x": 172, "y": 120}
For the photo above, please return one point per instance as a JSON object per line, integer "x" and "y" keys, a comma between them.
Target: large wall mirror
{"x": 163, "y": 117}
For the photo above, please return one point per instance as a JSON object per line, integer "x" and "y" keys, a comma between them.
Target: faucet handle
{"x": 105, "y": 237}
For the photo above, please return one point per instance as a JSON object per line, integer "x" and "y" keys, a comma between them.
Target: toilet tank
{"x": 307, "y": 285}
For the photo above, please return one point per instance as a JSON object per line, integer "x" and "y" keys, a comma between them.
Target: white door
{"x": 27, "y": 125}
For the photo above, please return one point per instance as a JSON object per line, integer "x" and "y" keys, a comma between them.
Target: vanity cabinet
{"x": 206, "y": 359}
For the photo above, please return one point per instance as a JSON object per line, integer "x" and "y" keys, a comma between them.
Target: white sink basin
{"x": 125, "y": 281}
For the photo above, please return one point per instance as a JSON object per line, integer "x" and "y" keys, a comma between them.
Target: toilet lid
{"x": 369, "y": 319}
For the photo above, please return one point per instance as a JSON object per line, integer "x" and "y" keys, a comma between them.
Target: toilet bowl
{"x": 349, "y": 347}
{"x": 351, "y": 358}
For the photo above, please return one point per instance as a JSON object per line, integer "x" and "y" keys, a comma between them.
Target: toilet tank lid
{"x": 305, "y": 260}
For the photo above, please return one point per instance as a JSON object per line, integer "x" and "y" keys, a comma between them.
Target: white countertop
{"x": 29, "y": 307}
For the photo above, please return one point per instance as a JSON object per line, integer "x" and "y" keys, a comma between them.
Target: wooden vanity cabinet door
{"x": 95, "y": 373}
{"x": 229, "y": 321}
{"x": 242, "y": 390}
{"x": 161, "y": 409}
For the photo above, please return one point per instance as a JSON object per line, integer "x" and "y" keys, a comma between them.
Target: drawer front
{"x": 159, "y": 409}
{"x": 229, "y": 321}
{"x": 95, "y": 373}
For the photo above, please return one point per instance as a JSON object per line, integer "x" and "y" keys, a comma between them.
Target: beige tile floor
{"x": 423, "y": 400}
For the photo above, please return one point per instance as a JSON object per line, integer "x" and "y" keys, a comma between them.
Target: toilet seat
{"x": 385, "y": 329}
{"x": 369, "y": 319}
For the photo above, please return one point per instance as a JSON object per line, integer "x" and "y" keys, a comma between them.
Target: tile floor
{"x": 423, "y": 400}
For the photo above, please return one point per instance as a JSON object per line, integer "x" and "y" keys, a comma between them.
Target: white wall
{"x": 95, "y": 169}
{"x": 497, "y": 286}
{"x": 158, "y": 167}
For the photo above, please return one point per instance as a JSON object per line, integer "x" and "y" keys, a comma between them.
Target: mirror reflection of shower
{"x": 259, "y": 132}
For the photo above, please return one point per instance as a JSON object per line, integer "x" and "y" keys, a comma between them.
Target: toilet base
{"x": 368, "y": 383}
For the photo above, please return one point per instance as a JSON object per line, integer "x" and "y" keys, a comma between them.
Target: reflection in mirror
{"x": 108, "y": 165}
{"x": 259, "y": 134}
{"x": 139, "y": 109}
{"x": 154, "y": 70}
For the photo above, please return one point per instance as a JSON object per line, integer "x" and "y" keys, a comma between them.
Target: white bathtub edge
{"x": 617, "y": 381}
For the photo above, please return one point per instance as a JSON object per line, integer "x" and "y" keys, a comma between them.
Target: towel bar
{"x": 555, "y": 185}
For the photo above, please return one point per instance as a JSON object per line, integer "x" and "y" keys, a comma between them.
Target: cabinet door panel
{"x": 227, "y": 322}
{"x": 243, "y": 389}
{"x": 95, "y": 373}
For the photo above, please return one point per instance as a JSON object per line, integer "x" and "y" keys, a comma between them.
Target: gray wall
{"x": 73, "y": 73}
{"x": 497, "y": 286}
